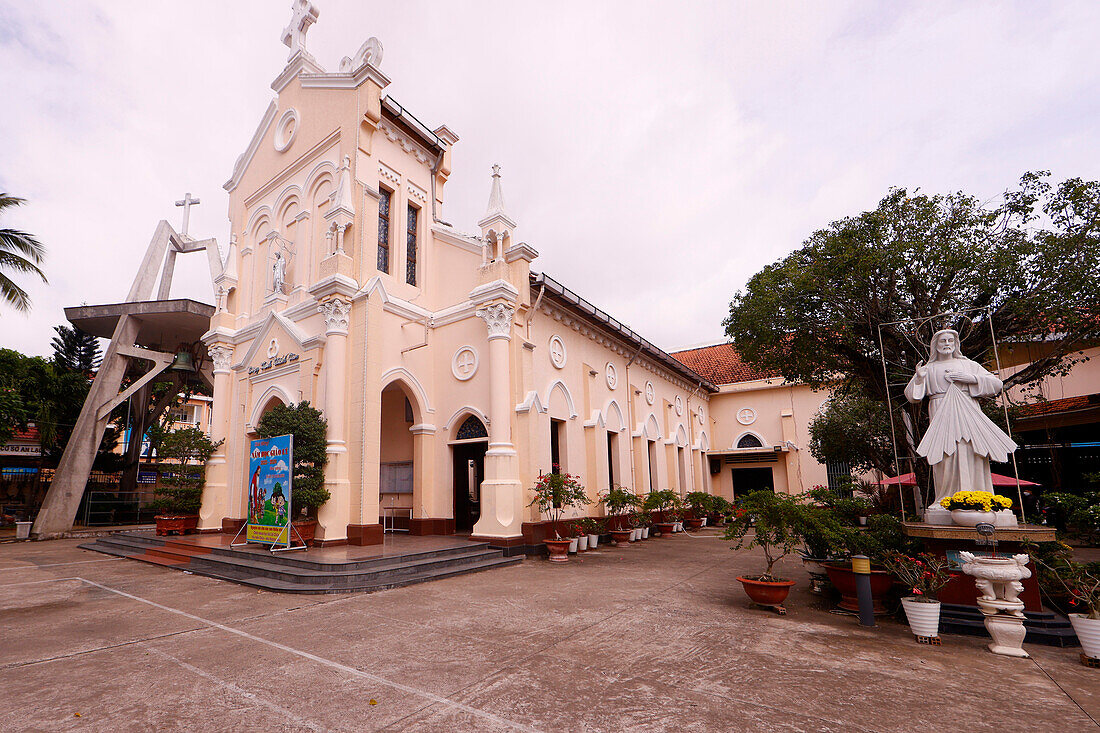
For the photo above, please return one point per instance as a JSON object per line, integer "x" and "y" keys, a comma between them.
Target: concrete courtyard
{"x": 651, "y": 637}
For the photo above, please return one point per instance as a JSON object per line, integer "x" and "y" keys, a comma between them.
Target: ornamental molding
{"x": 389, "y": 174}
{"x": 286, "y": 130}
{"x": 464, "y": 363}
{"x": 498, "y": 319}
{"x": 417, "y": 192}
{"x": 746, "y": 416}
{"x": 612, "y": 375}
{"x": 558, "y": 354}
{"x": 616, "y": 347}
{"x": 404, "y": 142}
{"x": 221, "y": 356}
{"x": 337, "y": 313}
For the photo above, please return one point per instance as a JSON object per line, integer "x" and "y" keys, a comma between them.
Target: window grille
{"x": 384, "y": 230}
{"x": 410, "y": 243}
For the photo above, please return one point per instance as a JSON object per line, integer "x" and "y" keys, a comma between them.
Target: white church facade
{"x": 449, "y": 371}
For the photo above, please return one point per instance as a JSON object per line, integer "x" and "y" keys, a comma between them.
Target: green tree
{"x": 191, "y": 449}
{"x": 853, "y": 429}
{"x": 309, "y": 429}
{"x": 75, "y": 349}
{"x": 1031, "y": 261}
{"x": 19, "y": 252}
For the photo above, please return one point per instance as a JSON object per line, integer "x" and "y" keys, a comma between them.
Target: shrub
{"x": 183, "y": 492}
{"x": 309, "y": 429}
{"x": 775, "y": 517}
{"x": 556, "y": 492}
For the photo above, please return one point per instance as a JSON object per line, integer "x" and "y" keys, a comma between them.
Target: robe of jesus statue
{"x": 960, "y": 441}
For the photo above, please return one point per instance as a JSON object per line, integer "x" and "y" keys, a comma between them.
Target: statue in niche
{"x": 278, "y": 273}
{"x": 960, "y": 441}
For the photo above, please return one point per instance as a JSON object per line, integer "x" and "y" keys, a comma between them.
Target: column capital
{"x": 337, "y": 312}
{"x": 220, "y": 356}
{"x": 498, "y": 319}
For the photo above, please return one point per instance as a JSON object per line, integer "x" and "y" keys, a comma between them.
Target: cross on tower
{"x": 186, "y": 203}
{"x": 294, "y": 35}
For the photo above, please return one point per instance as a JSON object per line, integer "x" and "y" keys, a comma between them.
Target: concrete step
{"x": 276, "y": 575}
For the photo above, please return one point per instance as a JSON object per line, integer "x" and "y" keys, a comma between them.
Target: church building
{"x": 450, "y": 371}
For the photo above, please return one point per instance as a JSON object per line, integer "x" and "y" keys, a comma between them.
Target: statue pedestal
{"x": 938, "y": 516}
{"x": 961, "y": 613}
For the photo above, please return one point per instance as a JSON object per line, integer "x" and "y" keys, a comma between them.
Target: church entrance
{"x": 746, "y": 480}
{"x": 468, "y": 457}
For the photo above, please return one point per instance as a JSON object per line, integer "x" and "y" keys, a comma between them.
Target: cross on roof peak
{"x": 187, "y": 202}
{"x": 304, "y": 14}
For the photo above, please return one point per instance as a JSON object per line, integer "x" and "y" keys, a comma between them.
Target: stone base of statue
{"x": 937, "y": 515}
{"x": 960, "y": 612}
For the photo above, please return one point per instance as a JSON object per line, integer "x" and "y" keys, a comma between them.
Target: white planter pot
{"x": 593, "y": 540}
{"x": 970, "y": 517}
{"x": 679, "y": 527}
{"x": 635, "y": 534}
{"x": 573, "y": 546}
{"x": 1088, "y": 633}
{"x": 23, "y": 530}
{"x": 704, "y": 522}
{"x": 924, "y": 617}
{"x": 582, "y": 543}
{"x": 645, "y": 533}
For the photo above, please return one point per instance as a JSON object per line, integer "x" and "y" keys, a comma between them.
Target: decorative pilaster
{"x": 501, "y": 492}
{"x": 335, "y": 513}
{"x": 215, "y": 495}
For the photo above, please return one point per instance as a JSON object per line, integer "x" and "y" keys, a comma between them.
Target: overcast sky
{"x": 656, "y": 154}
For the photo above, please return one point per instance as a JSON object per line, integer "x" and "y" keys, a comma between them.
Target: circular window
{"x": 612, "y": 375}
{"x": 464, "y": 363}
{"x": 557, "y": 352}
{"x": 649, "y": 393}
{"x": 286, "y": 130}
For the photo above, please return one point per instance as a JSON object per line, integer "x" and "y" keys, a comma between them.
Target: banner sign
{"x": 270, "y": 463}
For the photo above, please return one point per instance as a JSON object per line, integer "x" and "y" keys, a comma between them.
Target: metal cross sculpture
{"x": 294, "y": 35}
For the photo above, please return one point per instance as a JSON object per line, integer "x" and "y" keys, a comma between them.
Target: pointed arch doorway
{"x": 468, "y": 448}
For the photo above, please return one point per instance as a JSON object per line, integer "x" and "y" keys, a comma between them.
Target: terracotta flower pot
{"x": 694, "y": 523}
{"x": 304, "y": 528}
{"x": 559, "y": 550}
{"x": 841, "y": 575}
{"x": 621, "y": 536}
{"x": 766, "y": 592}
{"x": 181, "y": 523}
{"x": 665, "y": 528}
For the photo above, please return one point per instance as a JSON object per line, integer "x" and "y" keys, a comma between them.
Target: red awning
{"x": 910, "y": 479}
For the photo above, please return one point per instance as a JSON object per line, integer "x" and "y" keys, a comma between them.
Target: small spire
{"x": 496, "y": 197}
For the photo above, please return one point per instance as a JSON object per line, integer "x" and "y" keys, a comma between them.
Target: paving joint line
{"x": 1064, "y": 692}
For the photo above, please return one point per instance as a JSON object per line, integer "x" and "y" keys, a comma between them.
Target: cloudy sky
{"x": 656, "y": 154}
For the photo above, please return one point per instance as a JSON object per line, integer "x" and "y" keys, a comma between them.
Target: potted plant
{"x": 1079, "y": 584}
{"x": 720, "y": 509}
{"x": 664, "y": 502}
{"x": 619, "y": 502}
{"x": 883, "y": 535}
{"x": 308, "y": 492}
{"x": 179, "y": 499}
{"x": 774, "y": 518}
{"x": 644, "y": 521}
{"x": 700, "y": 504}
{"x": 969, "y": 508}
{"x": 820, "y": 532}
{"x": 554, "y": 493}
{"x": 592, "y": 527}
{"x": 926, "y": 575}
{"x": 577, "y": 528}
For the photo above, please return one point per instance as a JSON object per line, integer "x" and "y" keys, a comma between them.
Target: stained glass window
{"x": 749, "y": 441}
{"x": 384, "y": 230}
{"x": 410, "y": 241}
{"x": 472, "y": 428}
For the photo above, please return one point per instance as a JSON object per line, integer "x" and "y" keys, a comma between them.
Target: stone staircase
{"x": 288, "y": 574}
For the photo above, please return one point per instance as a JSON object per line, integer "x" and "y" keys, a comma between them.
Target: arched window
{"x": 748, "y": 440}
{"x": 471, "y": 429}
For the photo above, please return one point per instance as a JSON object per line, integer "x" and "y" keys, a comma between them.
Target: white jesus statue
{"x": 960, "y": 441}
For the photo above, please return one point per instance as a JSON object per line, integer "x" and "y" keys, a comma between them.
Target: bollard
{"x": 861, "y": 566}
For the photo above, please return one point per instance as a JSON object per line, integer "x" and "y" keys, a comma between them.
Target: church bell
{"x": 183, "y": 362}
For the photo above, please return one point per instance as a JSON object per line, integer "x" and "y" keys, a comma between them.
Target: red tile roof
{"x": 1052, "y": 407}
{"x": 720, "y": 364}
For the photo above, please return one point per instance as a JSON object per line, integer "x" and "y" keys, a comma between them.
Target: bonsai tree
{"x": 775, "y": 518}
{"x": 821, "y": 532}
{"x": 556, "y": 492}
{"x": 308, "y": 426}
{"x": 1073, "y": 583}
{"x": 183, "y": 492}
{"x": 619, "y": 501}
{"x": 701, "y": 503}
{"x": 883, "y": 536}
{"x": 666, "y": 501}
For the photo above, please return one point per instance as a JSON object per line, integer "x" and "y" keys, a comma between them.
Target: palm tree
{"x": 19, "y": 252}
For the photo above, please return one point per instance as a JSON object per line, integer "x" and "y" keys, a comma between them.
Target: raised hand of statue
{"x": 960, "y": 377}
{"x": 922, "y": 370}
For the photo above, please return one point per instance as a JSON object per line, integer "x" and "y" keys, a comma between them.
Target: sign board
{"x": 24, "y": 450}
{"x": 270, "y": 471}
